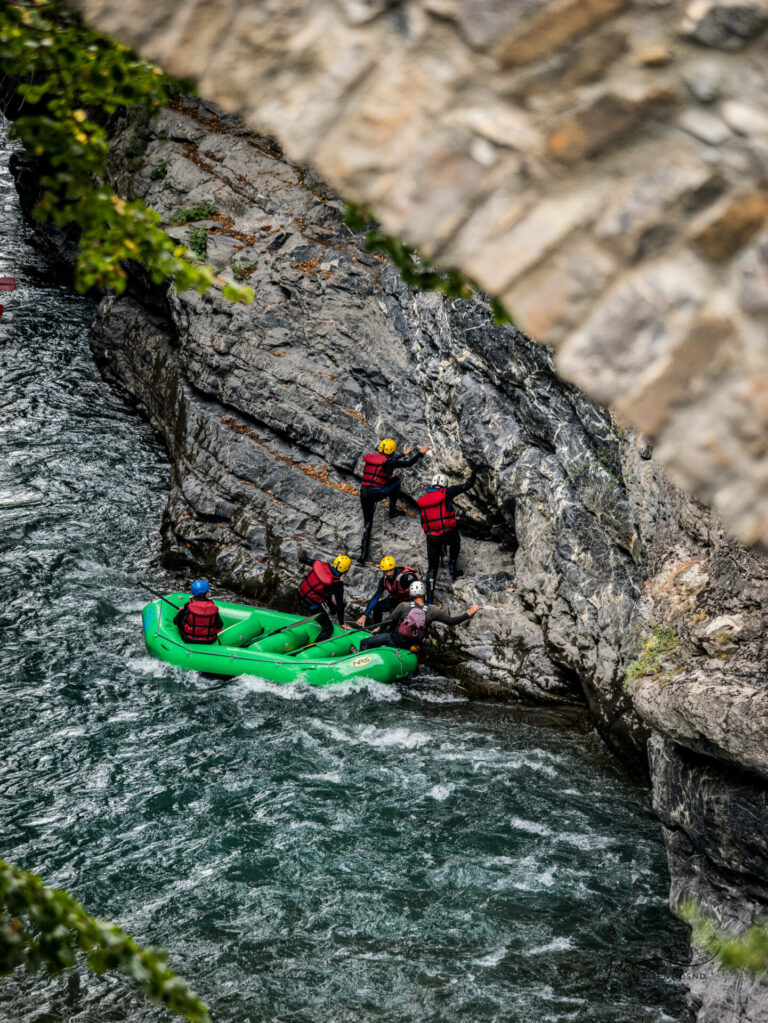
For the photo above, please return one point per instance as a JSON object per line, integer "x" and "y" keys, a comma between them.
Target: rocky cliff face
{"x": 267, "y": 410}
{"x": 575, "y": 544}
{"x": 601, "y": 165}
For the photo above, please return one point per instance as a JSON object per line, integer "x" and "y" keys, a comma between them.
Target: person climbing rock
{"x": 438, "y": 521}
{"x": 199, "y": 620}
{"x": 323, "y": 588}
{"x": 392, "y": 589}
{"x": 411, "y": 621}
{"x": 379, "y": 483}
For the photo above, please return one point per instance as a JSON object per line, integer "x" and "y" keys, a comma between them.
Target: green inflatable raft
{"x": 250, "y": 645}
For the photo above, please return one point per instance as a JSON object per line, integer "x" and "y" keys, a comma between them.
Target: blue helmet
{"x": 199, "y": 586}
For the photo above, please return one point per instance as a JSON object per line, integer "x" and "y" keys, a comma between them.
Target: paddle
{"x": 156, "y": 594}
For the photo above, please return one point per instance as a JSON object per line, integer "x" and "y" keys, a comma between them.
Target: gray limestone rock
{"x": 724, "y": 24}
{"x": 716, "y": 832}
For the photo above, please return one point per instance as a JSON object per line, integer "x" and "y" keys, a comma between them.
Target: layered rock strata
{"x": 602, "y": 165}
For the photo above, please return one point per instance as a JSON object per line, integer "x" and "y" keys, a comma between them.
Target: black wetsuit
{"x": 379, "y": 603}
{"x": 335, "y": 597}
{"x": 393, "y": 637}
{"x": 370, "y": 496}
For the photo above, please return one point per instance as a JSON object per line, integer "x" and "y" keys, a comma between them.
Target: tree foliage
{"x": 418, "y": 271}
{"x": 68, "y": 82}
{"x": 45, "y": 927}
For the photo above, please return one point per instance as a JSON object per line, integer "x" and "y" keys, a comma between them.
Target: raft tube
{"x": 245, "y": 647}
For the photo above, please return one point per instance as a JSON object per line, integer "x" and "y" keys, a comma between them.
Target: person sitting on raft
{"x": 323, "y": 586}
{"x": 379, "y": 483}
{"x": 199, "y": 620}
{"x": 410, "y": 622}
{"x": 438, "y": 520}
{"x": 392, "y": 590}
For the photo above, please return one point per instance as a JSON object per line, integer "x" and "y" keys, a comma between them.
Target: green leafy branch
{"x": 417, "y": 271}
{"x": 46, "y": 927}
{"x": 73, "y": 81}
{"x": 748, "y": 951}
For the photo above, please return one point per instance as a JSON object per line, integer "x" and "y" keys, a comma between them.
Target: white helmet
{"x": 438, "y": 480}
{"x": 416, "y": 589}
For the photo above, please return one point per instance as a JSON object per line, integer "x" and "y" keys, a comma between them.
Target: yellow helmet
{"x": 388, "y": 446}
{"x": 341, "y": 563}
{"x": 386, "y": 563}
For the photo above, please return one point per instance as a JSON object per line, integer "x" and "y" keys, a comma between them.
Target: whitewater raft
{"x": 250, "y": 645}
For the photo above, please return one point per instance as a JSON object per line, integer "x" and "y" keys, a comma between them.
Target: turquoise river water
{"x": 350, "y": 855}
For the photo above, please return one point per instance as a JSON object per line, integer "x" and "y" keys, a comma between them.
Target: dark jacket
{"x": 408, "y": 578}
{"x": 398, "y": 461}
{"x": 434, "y": 614}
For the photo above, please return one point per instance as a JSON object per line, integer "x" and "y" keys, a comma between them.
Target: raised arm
{"x": 460, "y": 488}
{"x": 404, "y": 462}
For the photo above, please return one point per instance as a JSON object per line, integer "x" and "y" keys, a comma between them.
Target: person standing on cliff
{"x": 392, "y": 589}
{"x": 323, "y": 587}
{"x": 438, "y": 520}
{"x": 380, "y": 483}
{"x": 410, "y": 622}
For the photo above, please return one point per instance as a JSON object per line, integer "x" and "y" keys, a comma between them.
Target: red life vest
{"x": 396, "y": 588}
{"x": 436, "y": 517}
{"x": 373, "y": 475}
{"x": 315, "y": 588}
{"x": 199, "y": 622}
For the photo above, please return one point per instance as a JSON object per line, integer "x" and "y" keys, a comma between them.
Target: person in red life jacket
{"x": 438, "y": 520}
{"x": 411, "y": 621}
{"x": 199, "y": 620}
{"x": 323, "y": 587}
{"x": 379, "y": 483}
{"x": 391, "y": 591}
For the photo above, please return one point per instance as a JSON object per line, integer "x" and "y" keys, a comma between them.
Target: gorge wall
{"x": 601, "y": 165}
{"x": 575, "y": 543}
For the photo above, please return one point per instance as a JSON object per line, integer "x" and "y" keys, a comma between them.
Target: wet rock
{"x": 724, "y": 24}
{"x": 721, "y": 635}
{"x": 715, "y": 830}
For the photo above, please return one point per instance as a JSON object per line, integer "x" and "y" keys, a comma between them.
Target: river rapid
{"x": 363, "y": 854}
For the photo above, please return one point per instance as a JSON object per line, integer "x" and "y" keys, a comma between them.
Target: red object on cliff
{"x": 7, "y": 283}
